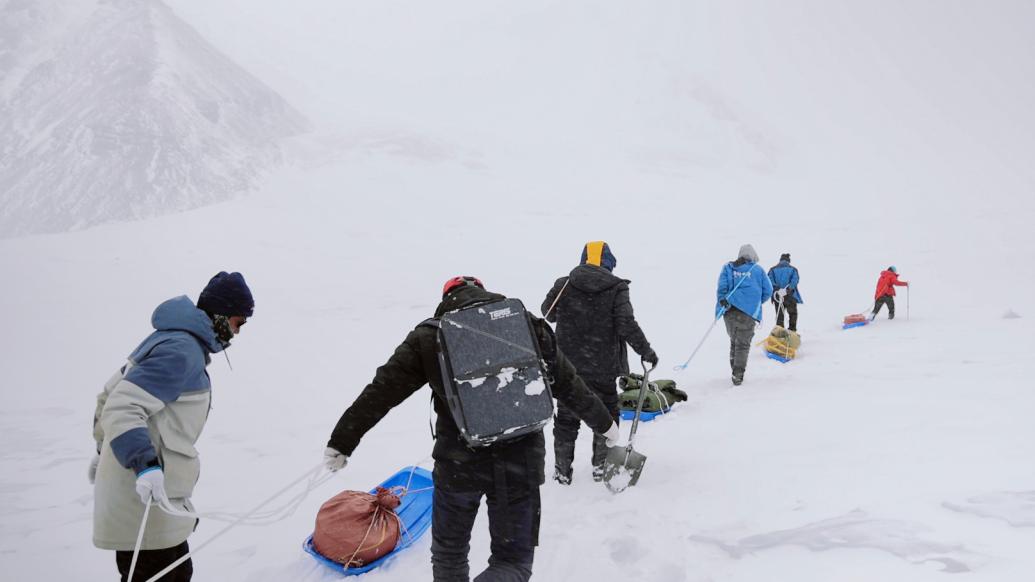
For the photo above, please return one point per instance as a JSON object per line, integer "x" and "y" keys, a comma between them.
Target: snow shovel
{"x": 623, "y": 465}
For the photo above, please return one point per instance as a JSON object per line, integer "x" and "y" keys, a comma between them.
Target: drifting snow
{"x": 852, "y": 137}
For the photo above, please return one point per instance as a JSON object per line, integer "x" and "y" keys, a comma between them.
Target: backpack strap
{"x": 437, "y": 324}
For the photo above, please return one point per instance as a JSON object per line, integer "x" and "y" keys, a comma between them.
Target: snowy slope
{"x": 124, "y": 112}
{"x": 900, "y": 451}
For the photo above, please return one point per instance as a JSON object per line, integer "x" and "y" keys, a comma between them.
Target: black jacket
{"x": 509, "y": 464}
{"x": 594, "y": 321}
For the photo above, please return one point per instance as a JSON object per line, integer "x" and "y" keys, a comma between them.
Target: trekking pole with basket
{"x": 623, "y": 465}
{"x": 722, "y": 312}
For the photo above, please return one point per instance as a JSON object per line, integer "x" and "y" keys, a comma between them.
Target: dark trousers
{"x": 513, "y": 529}
{"x": 151, "y": 562}
{"x": 566, "y": 426}
{"x": 791, "y": 307}
{"x": 741, "y": 328}
{"x": 884, "y": 300}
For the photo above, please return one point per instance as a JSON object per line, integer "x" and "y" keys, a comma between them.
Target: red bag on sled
{"x": 355, "y": 528}
{"x": 854, "y": 318}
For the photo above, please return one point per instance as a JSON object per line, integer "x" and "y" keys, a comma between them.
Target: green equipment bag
{"x": 661, "y": 395}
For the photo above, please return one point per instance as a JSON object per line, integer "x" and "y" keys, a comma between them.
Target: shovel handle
{"x": 639, "y": 401}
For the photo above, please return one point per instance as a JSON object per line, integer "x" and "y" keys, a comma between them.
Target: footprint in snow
{"x": 1016, "y": 508}
{"x": 859, "y": 531}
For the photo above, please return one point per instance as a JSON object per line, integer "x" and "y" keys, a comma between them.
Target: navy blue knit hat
{"x": 598, "y": 253}
{"x": 227, "y": 294}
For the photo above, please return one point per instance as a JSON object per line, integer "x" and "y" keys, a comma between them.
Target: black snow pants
{"x": 741, "y": 328}
{"x": 884, "y": 300}
{"x": 513, "y": 529}
{"x": 791, "y": 307}
{"x": 151, "y": 562}
{"x": 566, "y": 426}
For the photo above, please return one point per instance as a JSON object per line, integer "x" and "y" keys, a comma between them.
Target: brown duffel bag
{"x": 355, "y": 528}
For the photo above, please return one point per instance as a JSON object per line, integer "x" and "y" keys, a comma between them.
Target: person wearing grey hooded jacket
{"x": 148, "y": 417}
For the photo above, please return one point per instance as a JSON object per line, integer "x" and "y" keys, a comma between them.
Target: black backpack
{"x": 493, "y": 372}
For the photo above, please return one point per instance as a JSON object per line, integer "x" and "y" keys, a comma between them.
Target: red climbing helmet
{"x": 460, "y": 281}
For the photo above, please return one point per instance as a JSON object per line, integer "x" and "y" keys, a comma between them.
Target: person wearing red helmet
{"x": 508, "y": 473}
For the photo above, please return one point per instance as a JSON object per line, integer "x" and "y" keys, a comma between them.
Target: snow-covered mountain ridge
{"x": 127, "y": 114}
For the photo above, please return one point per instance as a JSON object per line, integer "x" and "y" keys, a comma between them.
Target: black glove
{"x": 725, "y": 304}
{"x": 651, "y": 357}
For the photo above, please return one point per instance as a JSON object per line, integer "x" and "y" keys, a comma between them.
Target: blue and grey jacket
{"x": 785, "y": 276}
{"x": 745, "y": 285}
{"x": 152, "y": 411}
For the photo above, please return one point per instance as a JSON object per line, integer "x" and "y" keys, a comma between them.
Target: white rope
{"x": 254, "y": 517}
{"x": 307, "y": 475}
{"x": 267, "y": 517}
{"x": 140, "y": 537}
{"x": 556, "y": 299}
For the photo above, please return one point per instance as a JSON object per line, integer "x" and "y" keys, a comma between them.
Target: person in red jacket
{"x": 885, "y": 294}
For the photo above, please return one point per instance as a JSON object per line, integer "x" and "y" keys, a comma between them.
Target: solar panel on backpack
{"x": 493, "y": 372}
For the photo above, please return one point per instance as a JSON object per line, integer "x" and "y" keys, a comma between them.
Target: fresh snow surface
{"x": 495, "y": 139}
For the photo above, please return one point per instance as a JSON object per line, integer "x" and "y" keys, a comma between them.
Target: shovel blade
{"x": 622, "y": 468}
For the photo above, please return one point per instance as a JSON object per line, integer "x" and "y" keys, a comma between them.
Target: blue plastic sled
{"x": 776, "y": 357}
{"x": 851, "y": 325}
{"x": 414, "y": 511}
{"x": 644, "y": 415}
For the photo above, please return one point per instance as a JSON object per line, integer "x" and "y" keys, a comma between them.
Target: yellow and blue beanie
{"x": 599, "y": 254}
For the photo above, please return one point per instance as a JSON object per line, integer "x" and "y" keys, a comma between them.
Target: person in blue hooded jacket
{"x": 148, "y": 417}
{"x": 786, "y": 297}
{"x": 743, "y": 288}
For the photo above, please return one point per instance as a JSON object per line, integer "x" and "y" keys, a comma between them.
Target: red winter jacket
{"x": 886, "y": 284}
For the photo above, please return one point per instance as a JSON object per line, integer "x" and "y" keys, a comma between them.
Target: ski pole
{"x": 140, "y": 538}
{"x": 683, "y": 366}
{"x": 710, "y": 328}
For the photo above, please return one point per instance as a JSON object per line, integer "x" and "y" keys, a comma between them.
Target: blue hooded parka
{"x": 785, "y": 276}
{"x": 744, "y": 284}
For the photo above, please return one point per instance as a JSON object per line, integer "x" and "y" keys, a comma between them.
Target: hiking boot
{"x": 738, "y": 380}
{"x": 562, "y": 478}
{"x": 598, "y": 473}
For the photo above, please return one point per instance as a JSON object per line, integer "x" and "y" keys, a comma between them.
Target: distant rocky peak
{"x": 127, "y": 113}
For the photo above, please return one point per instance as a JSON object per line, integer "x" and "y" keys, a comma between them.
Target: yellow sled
{"x": 783, "y": 343}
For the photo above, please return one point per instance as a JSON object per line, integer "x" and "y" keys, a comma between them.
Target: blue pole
{"x": 722, "y": 311}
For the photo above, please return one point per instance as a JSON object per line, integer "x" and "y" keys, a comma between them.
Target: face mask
{"x": 221, "y": 325}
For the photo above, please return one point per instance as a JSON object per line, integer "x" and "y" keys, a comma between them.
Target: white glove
{"x": 334, "y": 459}
{"x": 611, "y": 436}
{"x": 151, "y": 485}
{"x": 782, "y": 292}
{"x": 92, "y": 472}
